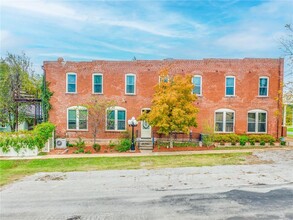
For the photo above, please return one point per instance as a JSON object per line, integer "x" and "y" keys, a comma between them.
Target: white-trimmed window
{"x": 116, "y": 119}
{"x": 197, "y": 82}
{"x": 164, "y": 79}
{"x": 230, "y": 86}
{"x": 77, "y": 118}
{"x": 224, "y": 120}
{"x": 71, "y": 85}
{"x": 263, "y": 86}
{"x": 130, "y": 84}
{"x": 257, "y": 121}
{"x": 97, "y": 83}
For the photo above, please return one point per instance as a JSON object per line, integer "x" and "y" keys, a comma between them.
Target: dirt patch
{"x": 253, "y": 159}
{"x": 51, "y": 177}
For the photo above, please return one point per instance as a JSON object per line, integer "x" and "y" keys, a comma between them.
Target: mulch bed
{"x": 165, "y": 149}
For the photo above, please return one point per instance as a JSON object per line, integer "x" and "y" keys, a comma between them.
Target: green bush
{"x": 112, "y": 144}
{"x": 243, "y": 139}
{"x": 207, "y": 140}
{"x": 27, "y": 139}
{"x": 80, "y": 143}
{"x": 97, "y": 147}
{"x": 226, "y": 138}
{"x": 262, "y": 143}
{"x": 123, "y": 145}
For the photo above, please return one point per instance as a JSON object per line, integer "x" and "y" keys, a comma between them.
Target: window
{"x": 164, "y": 79}
{"x": 116, "y": 119}
{"x": 130, "y": 80}
{"x": 97, "y": 83}
{"x": 71, "y": 82}
{"x": 77, "y": 118}
{"x": 230, "y": 85}
{"x": 257, "y": 121}
{"x": 197, "y": 80}
{"x": 263, "y": 86}
{"x": 224, "y": 120}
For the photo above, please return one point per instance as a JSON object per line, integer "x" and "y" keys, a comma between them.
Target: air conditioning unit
{"x": 61, "y": 143}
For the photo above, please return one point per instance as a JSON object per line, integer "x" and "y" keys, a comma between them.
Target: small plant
{"x": 272, "y": 142}
{"x": 88, "y": 152}
{"x": 124, "y": 145}
{"x": 283, "y": 143}
{"x": 112, "y": 144}
{"x": 97, "y": 147}
{"x": 252, "y": 142}
{"x": 80, "y": 143}
{"x": 262, "y": 143}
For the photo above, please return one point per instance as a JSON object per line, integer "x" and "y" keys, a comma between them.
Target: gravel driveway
{"x": 259, "y": 191}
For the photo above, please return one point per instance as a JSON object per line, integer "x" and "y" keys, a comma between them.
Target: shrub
{"x": 262, "y": 143}
{"x": 80, "y": 143}
{"x": 27, "y": 139}
{"x": 97, "y": 147}
{"x": 123, "y": 145}
{"x": 228, "y": 138}
{"x": 207, "y": 140}
{"x": 112, "y": 144}
{"x": 243, "y": 139}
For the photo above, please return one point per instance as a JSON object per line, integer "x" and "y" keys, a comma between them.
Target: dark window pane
{"x": 130, "y": 89}
{"x": 229, "y": 82}
{"x": 71, "y": 79}
{"x": 262, "y": 117}
{"x": 229, "y": 117}
{"x": 219, "y": 126}
{"x": 219, "y": 116}
{"x": 229, "y": 127}
{"x": 261, "y": 127}
{"x": 196, "y": 90}
{"x": 98, "y": 88}
{"x": 121, "y": 115}
{"x": 251, "y": 127}
{"x": 251, "y": 117}
{"x": 263, "y": 82}
{"x": 130, "y": 80}
{"x": 71, "y": 88}
{"x": 82, "y": 124}
{"x": 229, "y": 90}
{"x": 110, "y": 125}
{"x": 121, "y": 124}
{"x": 263, "y": 91}
{"x": 97, "y": 79}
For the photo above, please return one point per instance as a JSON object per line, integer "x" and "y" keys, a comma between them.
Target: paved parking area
{"x": 260, "y": 191}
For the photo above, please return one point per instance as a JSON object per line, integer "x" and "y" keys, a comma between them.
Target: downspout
{"x": 280, "y": 98}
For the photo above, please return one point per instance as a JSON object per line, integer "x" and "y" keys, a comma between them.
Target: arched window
{"x": 257, "y": 121}
{"x": 224, "y": 120}
{"x": 71, "y": 83}
{"x": 77, "y": 118}
{"x": 116, "y": 119}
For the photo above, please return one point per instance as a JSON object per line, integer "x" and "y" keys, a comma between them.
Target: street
{"x": 257, "y": 191}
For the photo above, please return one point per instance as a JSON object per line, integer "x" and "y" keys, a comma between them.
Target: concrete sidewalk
{"x": 142, "y": 154}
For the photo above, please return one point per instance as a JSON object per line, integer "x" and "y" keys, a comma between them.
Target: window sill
{"x": 224, "y": 132}
{"x": 95, "y": 93}
{"x": 230, "y": 96}
{"x": 262, "y": 96}
{"x": 114, "y": 131}
{"x": 77, "y": 130}
{"x": 71, "y": 93}
{"x": 257, "y": 132}
{"x": 130, "y": 94}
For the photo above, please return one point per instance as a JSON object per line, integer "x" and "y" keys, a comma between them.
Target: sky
{"x": 155, "y": 29}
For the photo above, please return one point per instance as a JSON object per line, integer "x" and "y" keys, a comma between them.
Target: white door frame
{"x": 145, "y": 133}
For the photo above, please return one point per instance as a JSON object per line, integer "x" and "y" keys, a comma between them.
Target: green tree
{"x": 16, "y": 77}
{"x": 173, "y": 108}
{"x": 97, "y": 114}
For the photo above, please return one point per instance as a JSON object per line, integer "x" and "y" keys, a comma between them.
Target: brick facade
{"x": 213, "y": 71}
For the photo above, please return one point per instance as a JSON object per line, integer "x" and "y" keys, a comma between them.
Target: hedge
{"x": 27, "y": 139}
{"x": 242, "y": 139}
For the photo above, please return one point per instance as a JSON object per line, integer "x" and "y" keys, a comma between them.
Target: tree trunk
{"x": 171, "y": 140}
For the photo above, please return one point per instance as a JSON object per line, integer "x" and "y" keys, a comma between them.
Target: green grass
{"x": 290, "y": 129}
{"x": 242, "y": 147}
{"x": 11, "y": 170}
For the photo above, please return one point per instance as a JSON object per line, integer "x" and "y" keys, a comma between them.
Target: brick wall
{"x": 213, "y": 71}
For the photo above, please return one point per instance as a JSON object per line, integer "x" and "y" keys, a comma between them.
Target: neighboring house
{"x": 234, "y": 95}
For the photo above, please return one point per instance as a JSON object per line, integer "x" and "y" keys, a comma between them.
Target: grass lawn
{"x": 290, "y": 129}
{"x": 11, "y": 170}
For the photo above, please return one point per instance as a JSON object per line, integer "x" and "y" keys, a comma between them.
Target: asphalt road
{"x": 261, "y": 191}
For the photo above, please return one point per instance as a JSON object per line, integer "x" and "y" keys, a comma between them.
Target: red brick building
{"x": 234, "y": 95}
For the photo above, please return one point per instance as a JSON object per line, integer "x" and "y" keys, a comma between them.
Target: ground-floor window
{"x": 116, "y": 119}
{"x": 257, "y": 121}
{"x": 77, "y": 118}
{"x": 224, "y": 120}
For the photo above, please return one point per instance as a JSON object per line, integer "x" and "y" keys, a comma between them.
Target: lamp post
{"x": 132, "y": 123}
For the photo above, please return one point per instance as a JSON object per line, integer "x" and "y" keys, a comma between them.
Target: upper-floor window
{"x": 116, "y": 119}
{"x": 71, "y": 83}
{"x": 197, "y": 81}
{"x": 257, "y": 121}
{"x": 224, "y": 120}
{"x": 130, "y": 81}
{"x": 263, "y": 86}
{"x": 97, "y": 83}
{"x": 230, "y": 85}
{"x": 77, "y": 118}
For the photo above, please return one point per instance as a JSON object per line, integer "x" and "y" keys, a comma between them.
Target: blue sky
{"x": 119, "y": 30}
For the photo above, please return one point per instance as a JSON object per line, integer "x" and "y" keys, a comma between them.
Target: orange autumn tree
{"x": 173, "y": 108}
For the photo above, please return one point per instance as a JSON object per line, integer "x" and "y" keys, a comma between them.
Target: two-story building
{"x": 234, "y": 95}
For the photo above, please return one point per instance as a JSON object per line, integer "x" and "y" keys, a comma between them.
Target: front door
{"x": 146, "y": 130}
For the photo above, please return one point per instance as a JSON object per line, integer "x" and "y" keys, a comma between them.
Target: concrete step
{"x": 146, "y": 148}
